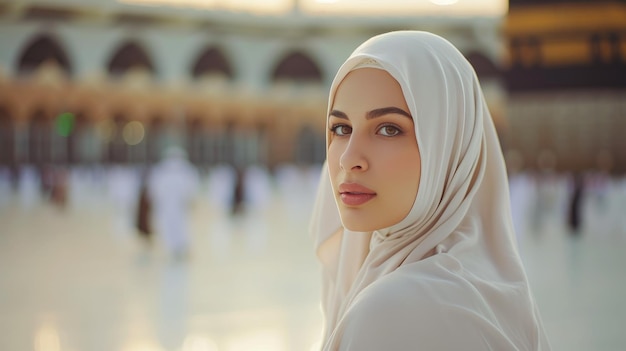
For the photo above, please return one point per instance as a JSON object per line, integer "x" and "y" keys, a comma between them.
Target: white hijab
{"x": 448, "y": 276}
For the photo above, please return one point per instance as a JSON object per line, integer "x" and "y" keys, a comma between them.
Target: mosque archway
{"x": 43, "y": 49}
{"x": 130, "y": 56}
{"x": 297, "y": 66}
{"x": 211, "y": 61}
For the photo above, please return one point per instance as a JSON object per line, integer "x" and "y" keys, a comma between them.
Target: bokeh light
{"x": 47, "y": 338}
{"x": 447, "y": 8}
{"x": 133, "y": 133}
{"x": 64, "y": 124}
{"x": 444, "y": 2}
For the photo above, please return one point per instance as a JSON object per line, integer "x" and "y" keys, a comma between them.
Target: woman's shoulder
{"x": 425, "y": 308}
{"x": 425, "y": 286}
{"x": 432, "y": 280}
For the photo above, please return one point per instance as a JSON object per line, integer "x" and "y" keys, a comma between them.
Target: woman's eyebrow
{"x": 386, "y": 111}
{"x": 338, "y": 114}
{"x": 374, "y": 113}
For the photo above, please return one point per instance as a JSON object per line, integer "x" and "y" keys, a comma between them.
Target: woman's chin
{"x": 358, "y": 225}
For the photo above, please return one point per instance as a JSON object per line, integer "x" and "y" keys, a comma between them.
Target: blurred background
{"x": 159, "y": 161}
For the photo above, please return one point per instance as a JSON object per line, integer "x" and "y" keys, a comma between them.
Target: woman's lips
{"x": 353, "y": 194}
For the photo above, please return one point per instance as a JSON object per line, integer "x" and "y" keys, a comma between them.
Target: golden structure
{"x": 566, "y": 78}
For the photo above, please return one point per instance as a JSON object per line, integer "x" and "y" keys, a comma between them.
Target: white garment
{"x": 29, "y": 187}
{"x": 172, "y": 187}
{"x": 448, "y": 276}
{"x": 123, "y": 186}
{"x": 522, "y": 191}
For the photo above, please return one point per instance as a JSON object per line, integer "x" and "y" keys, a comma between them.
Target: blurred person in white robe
{"x": 123, "y": 190}
{"x": 521, "y": 188}
{"x": 259, "y": 185}
{"x": 172, "y": 187}
{"x": 28, "y": 187}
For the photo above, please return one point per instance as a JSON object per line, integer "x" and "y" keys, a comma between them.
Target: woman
{"x": 412, "y": 221}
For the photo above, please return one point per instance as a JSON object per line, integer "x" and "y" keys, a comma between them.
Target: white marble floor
{"x": 75, "y": 279}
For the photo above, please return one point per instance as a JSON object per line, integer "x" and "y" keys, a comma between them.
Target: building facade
{"x": 566, "y": 83}
{"x": 117, "y": 83}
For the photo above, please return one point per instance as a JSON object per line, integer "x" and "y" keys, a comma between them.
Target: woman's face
{"x": 373, "y": 158}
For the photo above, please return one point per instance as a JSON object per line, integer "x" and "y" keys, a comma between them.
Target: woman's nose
{"x": 354, "y": 157}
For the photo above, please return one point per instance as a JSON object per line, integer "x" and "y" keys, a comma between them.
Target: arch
{"x": 297, "y": 66}
{"x": 129, "y": 55}
{"x": 42, "y": 49}
{"x": 483, "y": 66}
{"x": 211, "y": 60}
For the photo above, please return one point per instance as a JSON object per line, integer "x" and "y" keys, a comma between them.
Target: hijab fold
{"x": 456, "y": 248}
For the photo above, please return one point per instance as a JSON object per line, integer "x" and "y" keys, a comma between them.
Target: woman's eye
{"x": 389, "y": 130}
{"x": 341, "y": 129}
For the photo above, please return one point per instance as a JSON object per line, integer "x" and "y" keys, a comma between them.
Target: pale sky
{"x": 408, "y": 7}
{"x": 402, "y": 8}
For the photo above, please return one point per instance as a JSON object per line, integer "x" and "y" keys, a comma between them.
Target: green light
{"x": 64, "y": 124}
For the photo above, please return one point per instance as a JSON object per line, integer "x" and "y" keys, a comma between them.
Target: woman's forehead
{"x": 368, "y": 87}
